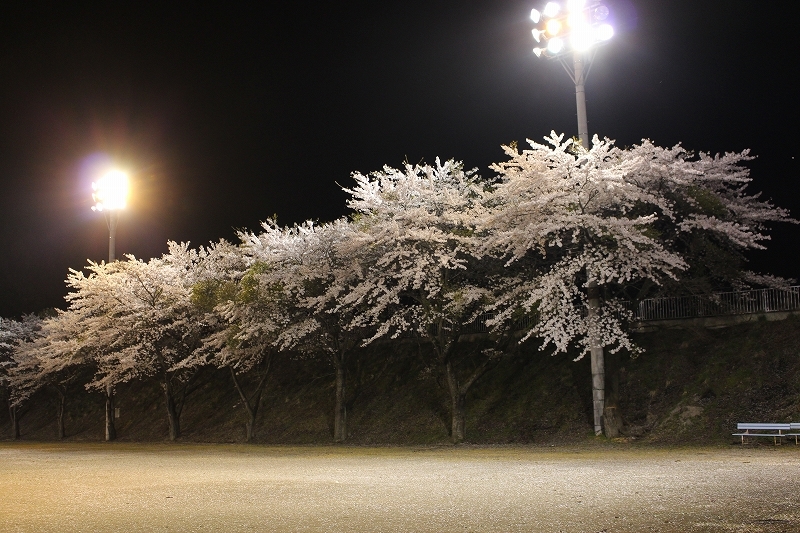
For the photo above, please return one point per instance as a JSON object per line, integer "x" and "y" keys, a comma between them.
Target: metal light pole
{"x": 112, "y": 218}
{"x": 110, "y": 195}
{"x": 579, "y": 27}
{"x": 580, "y": 98}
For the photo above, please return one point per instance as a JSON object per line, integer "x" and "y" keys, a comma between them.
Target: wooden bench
{"x": 775, "y": 431}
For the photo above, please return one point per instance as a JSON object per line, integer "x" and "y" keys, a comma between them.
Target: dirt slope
{"x": 689, "y": 386}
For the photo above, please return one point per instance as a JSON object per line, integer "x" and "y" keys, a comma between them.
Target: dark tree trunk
{"x": 173, "y": 415}
{"x": 15, "y": 415}
{"x": 111, "y": 430}
{"x": 612, "y": 417}
{"x": 458, "y": 392}
{"x": 457, "y": 403}
{"x": 253, "y": 406}
{"x": 458, "y": 427}
{"x": 340, "y": 409}
{"x": 62, "y": 400}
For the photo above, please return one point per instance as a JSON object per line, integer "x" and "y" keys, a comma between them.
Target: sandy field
{"x": 233, "y": 488}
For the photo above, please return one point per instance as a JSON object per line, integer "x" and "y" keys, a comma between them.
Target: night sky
{"x": 227, "y": 115}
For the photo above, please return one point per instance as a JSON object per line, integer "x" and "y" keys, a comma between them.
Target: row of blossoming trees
{"x": 427, "y": 250}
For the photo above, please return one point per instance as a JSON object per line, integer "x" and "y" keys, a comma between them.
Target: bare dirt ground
{"x": 233, "y": 488}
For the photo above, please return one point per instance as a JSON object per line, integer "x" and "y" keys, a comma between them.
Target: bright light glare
{"x": 551, "y": 9}
{"x": 535, "y": 15}
{"x": 538, "y": 51}
{"x": 575, "y": 5}
{"x": 553, "y": 26}
{"x": 555, "y": 45}
{"x": 582, "y": 38}
{"x": 605, "y": 32}
{"x": 110, "y": 191}
{"x": 575, "y": 19}
{"x": 537, "y": 35}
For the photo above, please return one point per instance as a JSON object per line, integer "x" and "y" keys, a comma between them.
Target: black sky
{"x": 229, "y": 114}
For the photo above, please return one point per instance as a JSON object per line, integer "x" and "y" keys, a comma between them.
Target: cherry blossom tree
{"x": 571, "y": 223}
{"x": 415, "y": 248}
{"x": 52, "y": 359}
{"x": 141, "y": 323}
{"x": 13, "y": 334}
{"x": 304, "y": 271}
{"x": 244, "y": 319}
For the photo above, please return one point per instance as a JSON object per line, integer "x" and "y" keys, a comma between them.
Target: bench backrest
{"x": 773, "y": 427}
{"x": 795, "y": 426}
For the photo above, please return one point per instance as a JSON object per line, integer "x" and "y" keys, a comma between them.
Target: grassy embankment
{"x": 689, "y": 386}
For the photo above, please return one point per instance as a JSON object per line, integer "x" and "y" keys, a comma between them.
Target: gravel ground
{"x": 232, "y": 488}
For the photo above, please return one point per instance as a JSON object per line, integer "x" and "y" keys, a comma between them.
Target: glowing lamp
{"x": 582, "y": 38}
{"x": 535, "y": 15}
{"x": 605, "y": 32}
{"x": 553, "y": 26}
{"x": 538, "y": 51}
{"x": 555, "y": 45}
{"x": 110, "y": 191}
{"x": 537, "y": 35}
{"x": 551, "y": 9}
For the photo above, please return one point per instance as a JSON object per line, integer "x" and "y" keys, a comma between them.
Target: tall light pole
{"x": 110, "y": 196}
{"x": 573, "y": 31}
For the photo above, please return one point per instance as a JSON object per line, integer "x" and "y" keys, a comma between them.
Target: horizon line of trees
{"x": 558, "y": 230}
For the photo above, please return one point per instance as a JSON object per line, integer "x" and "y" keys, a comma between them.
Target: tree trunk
{"x": 459, "y": 424}
{"x": 172, "y": 411}
{"x": 62, "y": 400}
{"x": 340, "y": 409}
{"x": 111, "y": 431}
{"x": 458, "y": 392}
{"x": 457, "y": 401}
{"x": 251, "y": 407}
{"x": 612, "y": 417}
{"x": 14, "y": 414}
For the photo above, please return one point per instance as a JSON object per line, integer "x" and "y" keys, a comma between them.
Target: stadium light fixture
{"x": 110, "y": 196}
{"x": 575, "y": 29}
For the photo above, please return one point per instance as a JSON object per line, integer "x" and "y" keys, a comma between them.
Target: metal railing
{"x": 678, "y": 307}
{"x": 718, "y": 304}
{"x": 479, "y": 325}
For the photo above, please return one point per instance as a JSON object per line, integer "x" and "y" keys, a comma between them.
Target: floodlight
{"x": 581, "y": 38}
{"x": 553, "y": 26}
{"x": 555, "y": 45}
{"x": 551, "y": 9}
{"x": 601, "y": 12}
{"x": 604, "y": 32}
{"x": 575, "y": 18}
{"x": 575, "y": 5}
{"x": 538, "y": 51}
{"x": 111, "y": 191}
{"x": 535, "y": 15}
